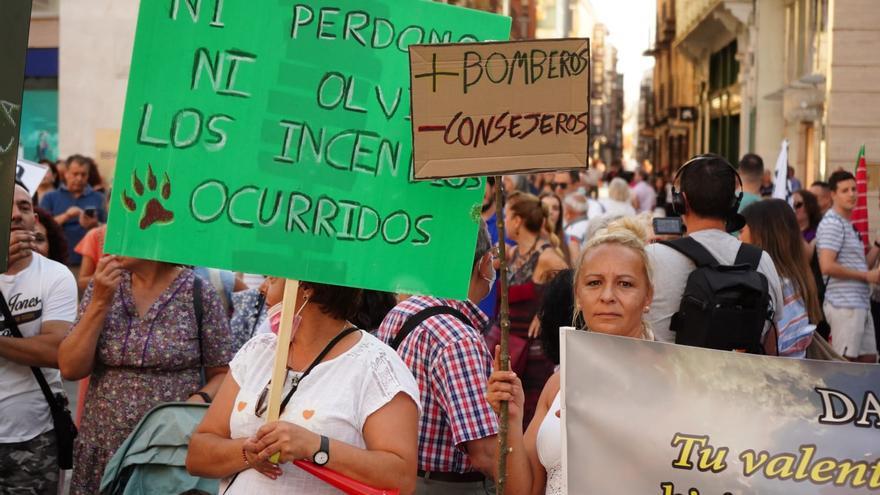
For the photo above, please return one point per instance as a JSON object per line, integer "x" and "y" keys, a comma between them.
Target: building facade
{"x": 714, "y": 38}
{"x": 39, "y": 118}
{"x": 675, "y": 112}
{"x": 606, "y": 99}
{"x": 768, "y": 70}
{"x": 646, "y": 143}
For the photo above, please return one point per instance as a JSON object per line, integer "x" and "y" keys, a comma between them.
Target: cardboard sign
{"x": 275, "y": 139}
{"x": 15, "y": 20}
{"x": 30, "y": 174}
{"x": 496, "y": 108}
{"x": 671, "y": 419}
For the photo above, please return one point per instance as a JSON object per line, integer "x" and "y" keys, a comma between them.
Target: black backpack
{"x": 723, "y": 307}
{"x": 418, "y": 318}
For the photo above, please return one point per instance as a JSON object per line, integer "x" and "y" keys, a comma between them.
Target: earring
{"x": 647, "y": 309}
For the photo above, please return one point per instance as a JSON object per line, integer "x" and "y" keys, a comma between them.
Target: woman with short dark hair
{"x": 349, "y": 403}
{"x": 806, "y": 209}
{"x": 147, "y": 331}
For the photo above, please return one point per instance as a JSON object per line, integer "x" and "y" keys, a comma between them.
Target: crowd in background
{"x": 408, "y": 392}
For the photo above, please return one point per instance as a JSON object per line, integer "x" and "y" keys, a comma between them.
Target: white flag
{"x": 781, "y": 187}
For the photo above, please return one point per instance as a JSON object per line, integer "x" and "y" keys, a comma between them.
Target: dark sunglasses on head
{"x": 563, "y": 185}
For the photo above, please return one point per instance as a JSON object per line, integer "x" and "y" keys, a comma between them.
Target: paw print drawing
{"x": 154, "y": 212}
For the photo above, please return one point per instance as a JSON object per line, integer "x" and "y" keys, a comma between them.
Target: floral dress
{"x": 142, "y": 361}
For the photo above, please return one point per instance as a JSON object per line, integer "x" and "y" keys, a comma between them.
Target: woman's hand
{"x": 108, "y": 274}
{"x": 262, "y": 466}
{"x": 292, "y": 442}
{"x": 535, "y": 328}
{"x": 505, "y": 386}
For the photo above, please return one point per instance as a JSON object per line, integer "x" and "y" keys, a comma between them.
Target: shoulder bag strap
{"x": 13, "y": 326}
{"x": 418, "y": 318}
{"x": 261, "y": 302}
{"x": 317, "y": 361}
{"x": 749, "y": 254}
{"x": 199, "y": 309}
{"x": 693, "y": 250}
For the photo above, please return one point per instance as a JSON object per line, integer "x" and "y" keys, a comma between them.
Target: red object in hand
{"x": 341, "y": 482}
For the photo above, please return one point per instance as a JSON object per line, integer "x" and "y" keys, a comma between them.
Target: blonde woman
{"x": 613, "y": 289}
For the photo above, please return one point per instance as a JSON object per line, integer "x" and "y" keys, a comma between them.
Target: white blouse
{"x": 335, "y": 400}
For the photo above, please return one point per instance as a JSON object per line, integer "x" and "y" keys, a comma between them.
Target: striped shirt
{"x": 837, "y": 234}
{"x": 451, "y": 364}
{"x": 795, "y": 329}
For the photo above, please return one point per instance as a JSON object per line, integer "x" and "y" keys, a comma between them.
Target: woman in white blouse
{"x": 350, "y": 405}
{"x": 612, "y": 290}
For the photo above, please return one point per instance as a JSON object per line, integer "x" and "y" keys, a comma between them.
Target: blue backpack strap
{"x": 693, "y": 250}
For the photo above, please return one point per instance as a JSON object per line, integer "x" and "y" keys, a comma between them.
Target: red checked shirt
{"x": 451, "y": 364}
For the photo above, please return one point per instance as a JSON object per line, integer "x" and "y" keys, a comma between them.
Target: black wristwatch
{"x": 322, "y": 456}
{"x": 204, "y": 395}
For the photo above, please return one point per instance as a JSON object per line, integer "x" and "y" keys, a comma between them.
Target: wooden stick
{"x": 505, "y": 334}
{"x": 279, "y": 370}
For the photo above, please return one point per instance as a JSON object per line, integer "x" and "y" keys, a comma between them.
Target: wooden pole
{"x": 504, "y": 315}
{"x": 279, "y": 370}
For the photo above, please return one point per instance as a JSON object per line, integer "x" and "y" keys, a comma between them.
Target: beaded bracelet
{"x": 244, "y": 456}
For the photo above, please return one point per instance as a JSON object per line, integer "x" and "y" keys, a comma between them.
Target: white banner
{"x": 653, "y": 418}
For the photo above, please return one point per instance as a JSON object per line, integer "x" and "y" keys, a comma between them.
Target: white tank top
{"x": 549, "y": 446}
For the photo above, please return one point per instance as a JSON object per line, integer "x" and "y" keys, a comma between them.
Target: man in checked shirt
{"x": 442, "y": 343}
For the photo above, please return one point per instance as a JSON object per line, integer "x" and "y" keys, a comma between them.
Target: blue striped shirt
{"x": 795, "y": 329}
{"x": 837, "y": 234}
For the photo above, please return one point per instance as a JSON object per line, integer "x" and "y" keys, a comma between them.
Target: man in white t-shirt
{"x": 575, "y": 210}
{"x": 41, "y": 295}
{"x": 708, "y": 188}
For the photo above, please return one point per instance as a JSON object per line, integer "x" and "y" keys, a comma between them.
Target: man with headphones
{"x": 705, "y": 195}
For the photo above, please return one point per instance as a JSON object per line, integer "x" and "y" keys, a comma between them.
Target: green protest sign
{"x": 276, "y": 139}
{"x": 15, "y": 20}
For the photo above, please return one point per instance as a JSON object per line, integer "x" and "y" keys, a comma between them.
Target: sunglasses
{"x": 262, "y": 404}
{"x": 799, "y": 205}
{"x": 556, "y": 185}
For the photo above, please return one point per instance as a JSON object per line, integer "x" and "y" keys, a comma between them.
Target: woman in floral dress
{"x": 137, "y": 335}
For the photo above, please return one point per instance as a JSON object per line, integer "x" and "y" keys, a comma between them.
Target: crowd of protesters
{"x": 394, "y": 390}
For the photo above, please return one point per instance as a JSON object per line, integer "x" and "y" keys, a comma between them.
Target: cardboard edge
{"x": 564, "y": 334}
{"x": 485, "y": 43}
{"x": 434, "y": 169}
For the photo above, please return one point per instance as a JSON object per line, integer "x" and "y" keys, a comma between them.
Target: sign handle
{"x": 279, "y": 370}
{"x": 504, "y": 315}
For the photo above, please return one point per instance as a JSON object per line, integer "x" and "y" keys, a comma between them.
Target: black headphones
{"x": 678, "y": 203}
